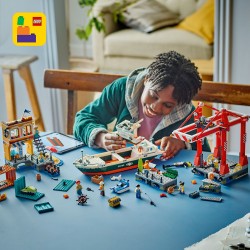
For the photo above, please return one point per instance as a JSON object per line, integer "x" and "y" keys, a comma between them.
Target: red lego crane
{"x": 219, "y": 124}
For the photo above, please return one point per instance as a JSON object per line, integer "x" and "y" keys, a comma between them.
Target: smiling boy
{"x": 161, "y": 94}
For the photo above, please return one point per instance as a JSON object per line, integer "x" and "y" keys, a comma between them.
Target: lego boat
{"x": 117, "y": 161}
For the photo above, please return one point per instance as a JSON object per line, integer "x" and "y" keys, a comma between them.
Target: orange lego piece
{"x": 97, "y": 179}
{"x": 23, "y": 30}
{"x": 66, "y": 196}
{"x": 3, "y": 197}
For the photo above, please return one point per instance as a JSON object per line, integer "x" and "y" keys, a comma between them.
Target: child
{"x": 160, "y": 94}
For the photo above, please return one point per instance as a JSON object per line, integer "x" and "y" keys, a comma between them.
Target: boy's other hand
{"x": 171, "y": 146}
{"x": 110, "y": 141}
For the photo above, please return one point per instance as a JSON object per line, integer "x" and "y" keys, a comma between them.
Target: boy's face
{"x": 157, "y": 103}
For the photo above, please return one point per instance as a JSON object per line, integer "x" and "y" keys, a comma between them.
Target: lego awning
{"x": 18, "y": 144}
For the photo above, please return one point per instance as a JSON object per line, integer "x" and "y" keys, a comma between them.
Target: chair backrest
{"x": 72, "y": 81}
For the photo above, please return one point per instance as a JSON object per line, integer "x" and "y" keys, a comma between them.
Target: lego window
{"x": 14, "y": 133}
{"x": 28, "y": 130}
{"x": 24, "y": 131}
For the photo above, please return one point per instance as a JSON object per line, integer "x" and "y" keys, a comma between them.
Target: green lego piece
{"x": 64, "y": 185}
{"x": 20, "y": 20}
{"x": 140, "y": 165}
{"x": 171, "y": 173}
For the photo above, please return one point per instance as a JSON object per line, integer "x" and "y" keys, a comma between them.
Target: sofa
{"x": 121, "y": 48}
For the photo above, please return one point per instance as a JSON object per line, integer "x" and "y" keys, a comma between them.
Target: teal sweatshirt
{"x": 119, "y": 100}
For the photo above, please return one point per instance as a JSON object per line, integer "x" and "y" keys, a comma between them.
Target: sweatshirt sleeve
{"x": 95, "y": 117}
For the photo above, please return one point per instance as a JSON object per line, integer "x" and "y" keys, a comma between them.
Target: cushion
{"x": 133, "y": 43}
{"x": 148, "y": 16}
{"x": 201, "y": 22}
{"x": 183, "y": 7}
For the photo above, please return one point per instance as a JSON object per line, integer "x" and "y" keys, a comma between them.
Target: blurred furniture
{"x": 85, "y": 65}
{"x": 73, "y": 81}
{"x": 122, "y": 49}
{"x": 205, "y": 68}
{"x": 10, "y": 63}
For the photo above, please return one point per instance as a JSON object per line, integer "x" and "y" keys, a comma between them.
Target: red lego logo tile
{"x": 37, "y": 21}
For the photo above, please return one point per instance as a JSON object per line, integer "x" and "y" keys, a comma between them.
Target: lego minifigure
{"x": 181, "y": 187}
{"x": 78, "y": 187}
{"x": 146, "y": 165}
{"x": 138, "y": 191}
{"x": 101, "y": 188}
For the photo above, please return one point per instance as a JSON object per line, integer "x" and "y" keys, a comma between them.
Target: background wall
{"x": 54, "y": 54}
{"x": 232, "y": 59}
{"x": 77, "y": 19}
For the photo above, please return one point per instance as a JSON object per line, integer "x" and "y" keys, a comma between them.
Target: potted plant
{"x": 97, "y": 21}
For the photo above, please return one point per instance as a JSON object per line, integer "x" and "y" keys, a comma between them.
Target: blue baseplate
{"x": 64, "y": 185}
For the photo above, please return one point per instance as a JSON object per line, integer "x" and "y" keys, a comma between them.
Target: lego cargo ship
{"x": 118, "y": 160}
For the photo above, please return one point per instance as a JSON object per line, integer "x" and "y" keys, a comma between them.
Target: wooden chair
{"x": 214, "y": 92}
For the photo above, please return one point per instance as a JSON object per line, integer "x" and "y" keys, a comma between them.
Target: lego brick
{"x": 23, "y": 30}
{"x": 214, "y": 199}
{"x": 64, "y": 185}
{"x": 37, "y": 196}
{"x": 43, "y": 207}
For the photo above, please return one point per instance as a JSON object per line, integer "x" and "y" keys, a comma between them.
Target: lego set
{"x": 118, "y": 160}
{"x": 19, "y": 139}
{"x": 225, "y": 171}
{"x": 20, "y": 136}
{"x": 157, "y": 179}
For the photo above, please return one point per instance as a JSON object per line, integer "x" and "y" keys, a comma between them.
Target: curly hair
{"x": 174, "y": 69}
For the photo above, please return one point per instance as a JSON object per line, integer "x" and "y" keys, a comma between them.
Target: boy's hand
{"x": 110, "y": 141}
{"x": 171, "y": 146}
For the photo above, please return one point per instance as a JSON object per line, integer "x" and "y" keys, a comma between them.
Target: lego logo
{"x": 37, "y": 21}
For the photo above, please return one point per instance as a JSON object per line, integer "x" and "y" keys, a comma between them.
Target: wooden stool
{"x": 10, "y": 63}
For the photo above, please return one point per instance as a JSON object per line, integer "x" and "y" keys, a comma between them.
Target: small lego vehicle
{"x": 114, "y": 201}
{"x": 178, "y": 164}
{"x": 194, "y": 195}
{"x": 128, "y": 130}
{"x": 210, "y": 186}
{"x": 121, "y": 187}
{"x": 3, "y": 197}
{"x": 82, "y": 199}
{"x": 30, "y": 190}
{"x": 97, "y": 179}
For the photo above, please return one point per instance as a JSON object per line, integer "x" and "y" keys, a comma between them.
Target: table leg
{"x": 9, "y": 94}
{"x": 25, "y": 74}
